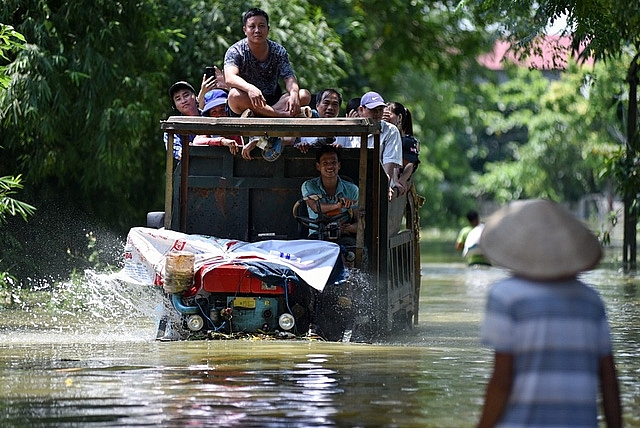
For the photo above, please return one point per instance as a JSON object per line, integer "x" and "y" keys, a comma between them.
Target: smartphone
{"x": 209, "y": 71}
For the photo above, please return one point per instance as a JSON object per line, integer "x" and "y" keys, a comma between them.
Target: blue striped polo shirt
{"x": 557, "y": 332}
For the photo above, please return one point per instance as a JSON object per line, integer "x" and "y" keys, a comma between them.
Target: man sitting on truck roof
{"x": 252, "y": 68}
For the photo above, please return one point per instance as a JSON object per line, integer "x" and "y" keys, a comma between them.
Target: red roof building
{"x": 551, "y": 54}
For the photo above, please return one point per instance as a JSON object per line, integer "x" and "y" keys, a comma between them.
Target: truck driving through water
{"x": 242, "y": 228}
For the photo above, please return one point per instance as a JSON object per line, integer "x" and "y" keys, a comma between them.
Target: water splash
{"x": 93, "y": 307}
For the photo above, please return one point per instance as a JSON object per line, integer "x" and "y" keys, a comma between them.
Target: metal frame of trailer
{"x": 212, "y": 192}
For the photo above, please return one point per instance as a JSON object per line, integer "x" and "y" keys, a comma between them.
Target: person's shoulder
{"x": 587, "y": 290}
{"x": 311, "y": 181}
{"x": 240, "y": 45}
{"x": 410, "y": 141}
{"x": 276, "y": 49}
{"x": 347, "y": 183}
{"x": 388, "y": 129}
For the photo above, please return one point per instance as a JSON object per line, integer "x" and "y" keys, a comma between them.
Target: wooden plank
{"x": 273, "y": 127}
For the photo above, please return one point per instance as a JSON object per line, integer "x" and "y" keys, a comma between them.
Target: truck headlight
{"x": 286, "y": 321}
{"x": 195, "y": 322}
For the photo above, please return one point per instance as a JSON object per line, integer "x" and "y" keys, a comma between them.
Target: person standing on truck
{"x": 183, "y": 99}
{"x": 252, "y": 69}
{"x": 330, "y": 194}
{"x": 400, "y": 116}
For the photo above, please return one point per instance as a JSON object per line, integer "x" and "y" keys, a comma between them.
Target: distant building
{"x": 550, "y": 55}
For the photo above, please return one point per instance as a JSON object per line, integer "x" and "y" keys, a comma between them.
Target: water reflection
{"x": 98, "y": 365}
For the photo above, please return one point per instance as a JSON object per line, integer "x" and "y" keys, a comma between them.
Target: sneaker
{"x": 247, "y": 113}
{"x": 305, "y": 112}
{"x": 273, "y": 150}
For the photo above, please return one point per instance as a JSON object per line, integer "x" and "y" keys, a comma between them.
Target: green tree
{"x": 80, "y": 118}
{"x": 422, "y": 54}
{"x": 10, "y": 41}
{"x": 556, "y": 159}
{"x": 82, "y": 102}
{"x": 605, "y": 29}
{"x": 8, "y": 204}
{"x": 80, "y": 113}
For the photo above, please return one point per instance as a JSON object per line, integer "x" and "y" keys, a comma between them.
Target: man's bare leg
{"x": 239, "y": 102}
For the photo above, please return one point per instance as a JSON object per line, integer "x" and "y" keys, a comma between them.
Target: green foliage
{"x": 384, "y": 38}
{"x": 9, "y": 205}
{"x": 558, "y": 158}
{"x": 82, "y": 105}
{"x": 10, "y": 41}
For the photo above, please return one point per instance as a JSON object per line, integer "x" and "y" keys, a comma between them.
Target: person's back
{"x": 557, "y": 333}
{"x": 549, "y": 331}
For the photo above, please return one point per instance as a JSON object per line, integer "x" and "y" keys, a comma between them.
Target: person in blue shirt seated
{"x": 331, "y": 195}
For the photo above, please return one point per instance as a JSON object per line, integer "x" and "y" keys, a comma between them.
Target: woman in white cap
{"x": 549, "y": 330}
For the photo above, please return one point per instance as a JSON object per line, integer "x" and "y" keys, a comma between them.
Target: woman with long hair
{"x": 398, "y": 115}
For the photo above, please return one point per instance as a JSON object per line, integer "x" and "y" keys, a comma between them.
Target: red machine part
{"x": 235, "y": 279}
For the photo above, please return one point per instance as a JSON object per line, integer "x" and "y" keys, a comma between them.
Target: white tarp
{"x": 472, "y": 243}
{"x": 146, "y": 249}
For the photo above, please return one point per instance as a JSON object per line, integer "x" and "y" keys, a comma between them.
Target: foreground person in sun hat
{"x": 549, "y": 330}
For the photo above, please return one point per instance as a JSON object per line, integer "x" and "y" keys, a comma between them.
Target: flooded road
{"x": 95, "y": 363}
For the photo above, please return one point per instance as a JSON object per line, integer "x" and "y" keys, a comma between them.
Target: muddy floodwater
{"x": 89, "y": 358}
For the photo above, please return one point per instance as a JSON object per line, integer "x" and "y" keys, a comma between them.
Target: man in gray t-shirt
{"x": 253, "y": 67}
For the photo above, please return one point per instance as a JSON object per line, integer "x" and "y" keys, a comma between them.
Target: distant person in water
{"x": 468, "y": 240}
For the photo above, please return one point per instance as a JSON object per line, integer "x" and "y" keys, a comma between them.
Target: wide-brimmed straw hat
{"x": 540, "y": 240}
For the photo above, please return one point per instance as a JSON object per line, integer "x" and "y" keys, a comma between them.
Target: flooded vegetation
{"x": 86, "y": 355}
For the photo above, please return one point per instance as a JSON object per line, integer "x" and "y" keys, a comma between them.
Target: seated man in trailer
{"x": 328, "y": 102}
{"x": 331, "y": 195}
